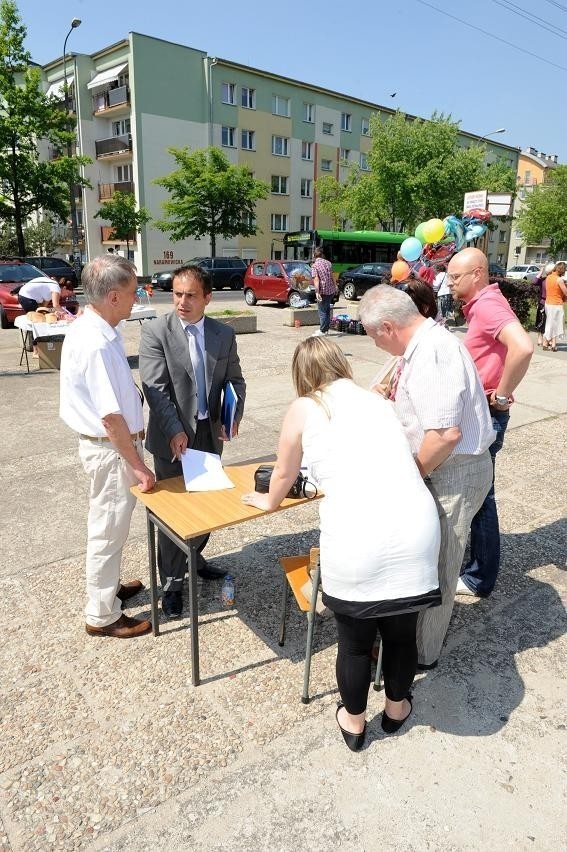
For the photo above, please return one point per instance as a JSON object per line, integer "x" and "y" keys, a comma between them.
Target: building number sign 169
{"x": 167, "y": 260}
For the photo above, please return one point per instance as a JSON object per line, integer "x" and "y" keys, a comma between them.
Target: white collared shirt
{"x": 439, "y": 387}
{"x": 96, "y": 379}
{"x": 200, "y": 335}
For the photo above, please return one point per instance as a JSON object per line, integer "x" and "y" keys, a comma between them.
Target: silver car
{"x": 524, "y": 272}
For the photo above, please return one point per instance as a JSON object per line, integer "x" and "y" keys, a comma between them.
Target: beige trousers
{"x": 110, "y": 510}
{"x": 459, "y": 487}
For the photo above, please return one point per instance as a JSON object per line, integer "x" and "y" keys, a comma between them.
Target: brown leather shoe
{"x": 129, "y": 590}
{"x": 124, "y": 628}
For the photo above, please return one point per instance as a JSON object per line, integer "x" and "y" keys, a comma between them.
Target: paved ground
{"x": 105, "y": 745}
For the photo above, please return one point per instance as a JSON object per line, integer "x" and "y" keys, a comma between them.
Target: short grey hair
{"x": 386, "y": 303}
{"x": 105, "y": 273}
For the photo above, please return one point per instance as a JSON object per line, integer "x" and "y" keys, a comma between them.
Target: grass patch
{"x": 229, "y": 313}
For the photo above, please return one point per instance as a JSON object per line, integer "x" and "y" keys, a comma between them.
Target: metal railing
{"x": 114, "y": 145}
{"x": 110, "y": 98}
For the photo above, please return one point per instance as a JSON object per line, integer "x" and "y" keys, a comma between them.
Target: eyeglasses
{"x": 455, "y": 277}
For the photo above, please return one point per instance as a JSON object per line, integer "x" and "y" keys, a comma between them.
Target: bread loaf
{"x": 35, "y": 316}
{"x": 50, "y": 318}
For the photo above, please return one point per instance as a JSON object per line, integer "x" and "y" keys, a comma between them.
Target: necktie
{"x": 396, "y": 379}
{"x": 198, "y": 367}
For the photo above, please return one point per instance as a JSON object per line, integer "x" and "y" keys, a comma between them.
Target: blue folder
{"x": 228, "y": 408}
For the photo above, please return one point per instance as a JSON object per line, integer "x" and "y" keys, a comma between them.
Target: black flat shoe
{"x": 390, "y": 726}
{"x": 353, "y": 741}
{"x": 209, "y": 572}
{"x": 427, "y": 667}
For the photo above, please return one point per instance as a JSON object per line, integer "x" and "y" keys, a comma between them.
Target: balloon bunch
{"x": 436, "y": 241}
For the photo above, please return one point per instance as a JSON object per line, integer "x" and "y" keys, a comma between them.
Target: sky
{"x": 434, "y": 55}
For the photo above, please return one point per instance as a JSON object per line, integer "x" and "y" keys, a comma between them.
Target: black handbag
{"x": 300, "y": 488}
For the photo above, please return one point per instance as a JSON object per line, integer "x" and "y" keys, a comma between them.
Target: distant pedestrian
{"x": 443, "y": 291}
{"x": 325, "y": 289}
{"x": 555, "y": 295}
{"x": 539, "y": 284}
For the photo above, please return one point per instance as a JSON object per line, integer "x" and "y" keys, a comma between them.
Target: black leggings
{"x": 399, "y": 660}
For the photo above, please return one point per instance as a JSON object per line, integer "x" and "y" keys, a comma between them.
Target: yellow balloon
{"x": 433, "y": 230}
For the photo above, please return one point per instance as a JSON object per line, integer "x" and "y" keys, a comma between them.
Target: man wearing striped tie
{"x": 441, "y": 404}
{"x": 185, "y": 361}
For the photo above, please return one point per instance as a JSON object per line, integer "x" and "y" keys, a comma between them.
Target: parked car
{"x": 224, "y": 271}
{"x": 284, "y": 281}
{"x": 55, "y": 267}
{"x": 494, "y": 269}
{"x": 15, "y": 272}
{"x": 354, "y": 282}
{"x": 524, "y": 272}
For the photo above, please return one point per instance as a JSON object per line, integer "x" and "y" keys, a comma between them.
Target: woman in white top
{"x": 37, "y": 293}
{"x": 383, "y": 571}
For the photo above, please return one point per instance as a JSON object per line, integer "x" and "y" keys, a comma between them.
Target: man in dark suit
{"x": 185, "y": 361}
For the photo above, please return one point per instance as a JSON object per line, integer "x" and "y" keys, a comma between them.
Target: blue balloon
{"x": 411, "y": 249}
{"x": 474, "y": 231}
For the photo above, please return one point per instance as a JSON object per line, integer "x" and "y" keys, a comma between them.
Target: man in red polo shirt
{"x": 501, "y": 351}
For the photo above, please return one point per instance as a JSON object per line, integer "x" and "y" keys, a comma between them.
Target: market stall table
{"x": 185, "y": 516}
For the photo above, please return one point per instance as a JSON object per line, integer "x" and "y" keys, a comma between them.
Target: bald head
{"x": 467, "y": 273}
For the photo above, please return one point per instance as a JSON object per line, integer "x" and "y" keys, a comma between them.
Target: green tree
{"x": 27, "y": 115}
{"x": 544, "y": 213}
{"x": 40, "y": 238}
{"x": 209, "y": 196}
{"x": 418, "y": 170}
{"x": 8, "y": 241}
{"x": 126, "y": 221}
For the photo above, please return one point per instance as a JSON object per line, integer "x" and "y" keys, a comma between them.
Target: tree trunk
{"x": 213, "y": 243}
{"x": 18, "y": 224}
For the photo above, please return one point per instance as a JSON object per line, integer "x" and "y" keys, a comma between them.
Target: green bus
{"x": 344, "y": 249}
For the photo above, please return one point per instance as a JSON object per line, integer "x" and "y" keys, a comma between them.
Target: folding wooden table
{"x": 185, "y": 516}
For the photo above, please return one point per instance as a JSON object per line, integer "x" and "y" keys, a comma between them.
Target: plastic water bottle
{"x": 227, "y": 591}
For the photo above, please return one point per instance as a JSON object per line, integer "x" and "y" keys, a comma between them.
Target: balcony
{"x": 107, "y": 190}
{"x": 106, "y": 231}
{"x": 115, "y": 146}
{"x": 111, "y": 99}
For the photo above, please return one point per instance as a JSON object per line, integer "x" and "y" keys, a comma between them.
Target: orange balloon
{"x": 400, "y": 270}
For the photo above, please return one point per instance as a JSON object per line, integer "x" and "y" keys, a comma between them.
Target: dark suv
{"x": 224, "y": 271}
{"x": 54, "y": 267}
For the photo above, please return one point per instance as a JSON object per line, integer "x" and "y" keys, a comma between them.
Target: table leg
{"x": 153, "y": 572}
{"x": 194, "y": 613}
{"x": 24, "y": 335}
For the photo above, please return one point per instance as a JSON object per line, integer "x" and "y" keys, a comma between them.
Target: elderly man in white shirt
{"x": 100, "y": 401}
{"x": 439, "y": 399}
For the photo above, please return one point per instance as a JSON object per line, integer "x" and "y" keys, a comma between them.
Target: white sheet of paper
{"x": 203, "y": 471}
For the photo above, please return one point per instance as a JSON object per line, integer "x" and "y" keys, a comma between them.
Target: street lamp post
{"x": 73, "y": 203}
{"x": 492, "y": 133}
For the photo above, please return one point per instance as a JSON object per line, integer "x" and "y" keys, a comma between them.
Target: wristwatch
{"x": 501, "y": 400}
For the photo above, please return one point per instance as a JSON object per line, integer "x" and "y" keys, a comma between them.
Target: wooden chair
{"x": 298, "y": 570}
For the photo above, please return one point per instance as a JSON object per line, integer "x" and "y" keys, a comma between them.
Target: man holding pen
{"x": 185, "y": 361}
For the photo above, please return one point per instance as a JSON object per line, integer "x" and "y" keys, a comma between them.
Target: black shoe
{"x": 172, "y": 604}
{"x": 353, "y": 741}
{"x": 208, "y": 572}
{"x": 390, "y": 726}
{"x": 427, "y": 667}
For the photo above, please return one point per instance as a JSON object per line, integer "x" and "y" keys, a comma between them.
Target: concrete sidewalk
{"x": 105, "y": 744}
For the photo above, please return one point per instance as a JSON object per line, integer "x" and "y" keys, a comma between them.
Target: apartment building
{"x": 138, "y": 97}
{"x": 533, "y": 168}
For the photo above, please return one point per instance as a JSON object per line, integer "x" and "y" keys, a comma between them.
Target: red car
{"x": 14, "y": 272}
{"x": 288, "y": 282}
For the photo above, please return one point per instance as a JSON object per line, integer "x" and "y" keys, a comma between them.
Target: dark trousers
{"x": 325, "y": 311}
{"x": 399, "y": 659}
{"x": 482, "y": 568}
{"x": 28, "y": 304}
{"x": 172, "y": 562}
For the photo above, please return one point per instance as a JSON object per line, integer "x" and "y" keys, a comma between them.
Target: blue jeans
{"x": 325, "y": 311}
{"x": 482, "y": 568}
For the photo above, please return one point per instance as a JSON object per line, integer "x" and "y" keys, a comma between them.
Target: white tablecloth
{"x": 50, "y": 329}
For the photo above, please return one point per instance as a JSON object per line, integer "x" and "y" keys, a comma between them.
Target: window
{"x": 305, "y": 189}
{"x": 258, "y": 269}
{"x": 279, "y": 185}
{"x": 121, "y": 128}
{"x": 364, "y": 127}
{"x": 249, "y": 221}
{"x": 280, "y": 106}
{"x": 280, "y": 146}
{"x": 305, "y": 223}
{"x": 279, "y": 222}
{"x": 228, "y": 93}
{"x": 344, "y": 153}
{"x": 491, "y": 236}
{"x": 309, "y": 113}
{"x": 124, "y": 173}
{"x": 346, "y": 121}
{"x": 227, "y": 137}
{"x": 307, "y": 150}
{"x": 326, "y": 165}
{"x": 327, "y": 127}
{"x": 248, "y": 98}
{"x": 248, "y": 140}
{"x": 527, "y": 177}
{"x": 364, "y": 163}
{"x": 502, "y": 238}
